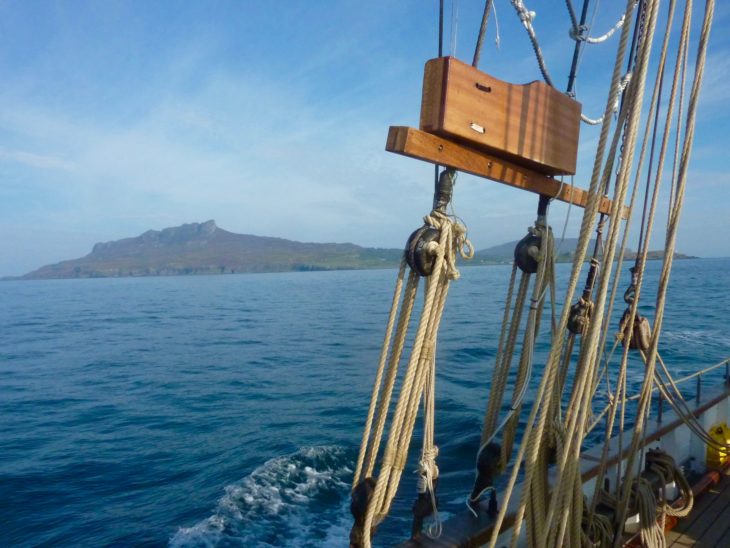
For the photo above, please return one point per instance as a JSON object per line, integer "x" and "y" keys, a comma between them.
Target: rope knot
{"x": 579, "y": 33}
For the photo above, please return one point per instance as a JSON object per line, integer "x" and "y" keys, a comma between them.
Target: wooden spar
{"x": 437, "y": 150}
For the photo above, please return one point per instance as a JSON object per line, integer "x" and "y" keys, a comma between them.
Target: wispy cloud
{"x": 32, "y": 160}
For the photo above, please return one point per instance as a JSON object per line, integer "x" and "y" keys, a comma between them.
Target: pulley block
{"x": 580, "y": 317}
{"x": 360, "y": 500}
{"x": 527, "y": 252}
{"x": 418, "y": 256}
{"x": 640, "y": 331}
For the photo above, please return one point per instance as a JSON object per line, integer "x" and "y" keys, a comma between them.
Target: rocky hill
{"x": 204, "y": 248}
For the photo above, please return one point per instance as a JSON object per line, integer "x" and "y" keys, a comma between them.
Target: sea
{"x": 227, "y": 410}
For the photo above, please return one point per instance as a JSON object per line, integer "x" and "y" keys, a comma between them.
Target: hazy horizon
{"x": 122, "y": 117}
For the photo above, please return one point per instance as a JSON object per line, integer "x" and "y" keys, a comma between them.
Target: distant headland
{"x": 205, "y": 248}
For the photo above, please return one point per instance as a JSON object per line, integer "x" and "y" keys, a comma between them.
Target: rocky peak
{"x": 177, "y": 235}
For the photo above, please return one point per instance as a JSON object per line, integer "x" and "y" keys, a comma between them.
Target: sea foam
{"x": 294, "y": 500}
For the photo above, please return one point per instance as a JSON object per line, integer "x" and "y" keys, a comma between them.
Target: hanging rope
{"x": 669, "y": 249}
{"x": 372, "y": 497}
{"x": 545, "y": 389}
{"x": 527, "y": 16}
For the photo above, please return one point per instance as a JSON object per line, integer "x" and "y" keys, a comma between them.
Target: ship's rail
{"x": 667, "y": 431}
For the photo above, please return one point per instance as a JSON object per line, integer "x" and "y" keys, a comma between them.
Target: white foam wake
{"x": 295, "y": 500}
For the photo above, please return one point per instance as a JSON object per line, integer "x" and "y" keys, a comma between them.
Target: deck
{"x": 708, "y": 525}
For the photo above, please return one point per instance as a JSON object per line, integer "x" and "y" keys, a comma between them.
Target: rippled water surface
{"x": 227, "y": 409}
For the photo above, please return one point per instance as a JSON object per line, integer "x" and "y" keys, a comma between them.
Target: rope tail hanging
{"x": 431, "y": 253}
{"x": 534, "y": 254}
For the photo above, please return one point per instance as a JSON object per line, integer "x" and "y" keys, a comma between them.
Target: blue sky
{"x": 271, "y": 118}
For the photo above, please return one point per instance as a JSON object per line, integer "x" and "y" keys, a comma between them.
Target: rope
{"x": 562, "y": 499}
{"x": 547, "y": 382}
{"x": 616, "y": 102}
{"x": 689, "y": 377}
{"x": 482, "y": 33}
{"x": 419, "y": 378}
{"x": 571, "y": 13}
{"x": 671, "y": 241}
{"x": 527, "y": 16}
{"x": 579, "y": 33}
{"x": 621, "y": 382}
{"x": 580, "y": 398}
{"x": 544, "y": 277}
{"x": 507, "y": 337}
{"x": 428, "y": 472}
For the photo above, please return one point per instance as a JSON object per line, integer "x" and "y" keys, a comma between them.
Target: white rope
{"x": 497, "y": 39}
{"x": 580, "y": 33}
{"x": 616, "y": 102}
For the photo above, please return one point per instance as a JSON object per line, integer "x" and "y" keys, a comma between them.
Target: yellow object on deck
{"x": 717, "y": 457}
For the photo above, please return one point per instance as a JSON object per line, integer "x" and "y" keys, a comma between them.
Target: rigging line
{"x": 654, "y": 105}
{"x": 548, "y": 379}
{"x": 482, "y": 33}
{"x": 537, "y": 303}
{"x": 571, "y": 12}
{"x": 559, "y": 500}
{"x": 497, "y": 38}
{"x": 649, "y": 171}
{"x": 454, "y": 25}
{"x": 621, "y": 90}
{"x": 441, "y": 27}
{"x": 683, "y": 55}
{"x": 567, "y": 218}
{"x": 621, "y": 380}
{"x": 526, "y": 16}
{"x": 671, "y": 233}
{"x": 436, "y": 167}
{"x": 580, "y": 34}
{"x": 689, "y": 377}
{"x": 578, "y": 46}
{"x": 596, "y": 8}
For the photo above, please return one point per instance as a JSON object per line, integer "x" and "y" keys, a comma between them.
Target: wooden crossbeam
{"x": 431, "y": 148}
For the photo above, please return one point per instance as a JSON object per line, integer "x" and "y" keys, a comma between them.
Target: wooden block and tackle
{"x": 518, "y": 135}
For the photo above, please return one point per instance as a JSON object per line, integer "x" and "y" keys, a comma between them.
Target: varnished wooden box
{"x": 531, "y": 124}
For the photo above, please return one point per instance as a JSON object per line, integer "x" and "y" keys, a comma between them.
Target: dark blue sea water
{"x": 227, "y": 410}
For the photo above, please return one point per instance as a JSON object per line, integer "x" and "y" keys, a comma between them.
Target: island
{"x": 205, "y": 248}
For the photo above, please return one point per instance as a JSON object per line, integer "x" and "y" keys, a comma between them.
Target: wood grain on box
{"x": 531, "y": 124}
